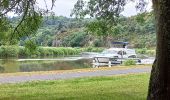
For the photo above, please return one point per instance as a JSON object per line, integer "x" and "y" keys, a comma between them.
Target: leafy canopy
{"x": 28, "y": 10}
{"x": 106, "y": 10}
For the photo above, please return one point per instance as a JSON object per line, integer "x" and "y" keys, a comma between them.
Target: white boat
{"x": 116, "y": 56}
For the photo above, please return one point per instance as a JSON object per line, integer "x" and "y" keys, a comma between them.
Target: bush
{"x": 23, "y": 52}
{"x": 98, "y": 43}
{"x": 78, "y": 39}
{"x": 141, "y": 51}
{"x": 93, "y": 49}
{"x": 129, "y": 62}
{"x": 59, "y": 52}
{"x": 151, "y": 52}
{"x": 9, "y": 51}
{"x": 45, "y": 51}
{"x": 146, "y": 52}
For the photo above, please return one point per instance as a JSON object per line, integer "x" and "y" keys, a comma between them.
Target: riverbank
{"x": 124, "y": 87}
{"x": 118, "y": 67}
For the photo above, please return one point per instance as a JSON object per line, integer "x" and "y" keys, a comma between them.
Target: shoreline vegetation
{"x": 22, "y": 52}
{"x": 18, "y": 51}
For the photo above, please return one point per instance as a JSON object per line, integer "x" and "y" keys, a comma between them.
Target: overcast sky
{"x": 63, "y": 7}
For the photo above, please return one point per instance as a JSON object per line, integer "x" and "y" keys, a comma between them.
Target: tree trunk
{"x": 159, "y": 86}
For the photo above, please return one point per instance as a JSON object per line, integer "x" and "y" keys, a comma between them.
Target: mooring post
{"x": 110, "y": 64}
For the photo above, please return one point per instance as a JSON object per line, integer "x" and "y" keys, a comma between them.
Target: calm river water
{"x": 49, "y": 64}
{"x": 29, "y": 65}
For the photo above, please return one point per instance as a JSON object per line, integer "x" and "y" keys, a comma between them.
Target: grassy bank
{"x": 16, "y": 51}
{"x": 125, "y": 87}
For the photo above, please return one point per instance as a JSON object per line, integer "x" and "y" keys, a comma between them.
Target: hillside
{"x": 138, "y": 30}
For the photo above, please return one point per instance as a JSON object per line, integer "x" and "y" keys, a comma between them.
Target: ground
{"x": 122, "y": 87}
{"x": 55, "y": 75}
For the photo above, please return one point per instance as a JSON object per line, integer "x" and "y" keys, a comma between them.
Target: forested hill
{"x": 138, "y": 30}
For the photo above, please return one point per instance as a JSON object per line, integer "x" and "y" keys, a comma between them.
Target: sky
{"x": 64, "y": 7}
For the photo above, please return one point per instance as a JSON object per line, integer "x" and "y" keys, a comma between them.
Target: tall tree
{"x": 159, "y": 86}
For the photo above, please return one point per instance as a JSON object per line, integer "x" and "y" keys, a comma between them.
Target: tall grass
{"x": 146, "y": 51}
{"x": 16, "y": 51}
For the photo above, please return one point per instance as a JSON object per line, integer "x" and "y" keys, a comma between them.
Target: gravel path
{"x": 17, "y": 79}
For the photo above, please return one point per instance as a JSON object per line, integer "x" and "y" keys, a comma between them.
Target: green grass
{"x": 125, "y": 87}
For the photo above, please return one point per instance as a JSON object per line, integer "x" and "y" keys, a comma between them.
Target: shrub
{"x": 23, "y": 52}
{"x": 58, "y": 52}
{"x": 141, "y": 51}
{"x": 98, "y": 43}
{"x": 93, "y": 49}
{"x": 9, "y": 51}
{"x": 45, "y": 51}
{"x": 129, "y": 62}
{"x": 151, "y": 52}
{"x": 77, "y": 39}
{"x": 146, "y": 52}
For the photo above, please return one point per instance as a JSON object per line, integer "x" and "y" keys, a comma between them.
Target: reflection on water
{"x": 11, "y": 65}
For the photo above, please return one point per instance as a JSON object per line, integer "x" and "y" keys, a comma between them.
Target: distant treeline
{"x": 59, "y": 31}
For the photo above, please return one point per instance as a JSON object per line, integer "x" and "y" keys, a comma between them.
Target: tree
{"x": 99, "y": 28}
{"x": 31, "y": 16}
{"x": 159, "y": 86}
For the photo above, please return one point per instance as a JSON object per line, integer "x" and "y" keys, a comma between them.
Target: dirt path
{"x": 17, "y": 79}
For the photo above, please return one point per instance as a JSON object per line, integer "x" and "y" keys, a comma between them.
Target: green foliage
{"x": 75, "y": 40}
{"x": 9, "y": 51}
{"x": 97, "y": 33}
{"x": 141, "y": 51}
{"x": 28, "y": 22}
{"x": 6, "y": 33}
{"x": 110, "y": 9}
{"x": 145, "y": 41}
{"x": 30, "y": 45}
{"x": 93, "y": 49}
{"x": 146, "y": 51}
{"x": 151, "y": 52}
{"x": 98, "y": 43}
{"x": 23, "y": 52}
{"x": 15, "y": 51}
{"x": 129, "y": 62}
{"x": 45, "y": 51}
{"x": 99, "y": 28}
{"x": 138, "y": 30}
